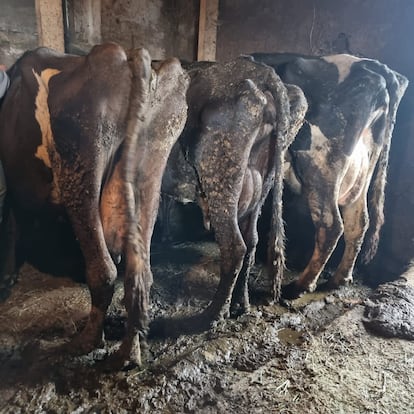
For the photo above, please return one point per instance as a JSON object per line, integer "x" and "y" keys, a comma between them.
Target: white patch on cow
{"x": 42, "y": 116}
{"x": 376, "y": 114}
{"x": 153, "y": 81}
{"x": 355, "y": 176}
{"x": 319, "y": 142}
{"x": 319, "y": 149}
{"x": 343, "y": 63}
{"x": 358, "y": 173}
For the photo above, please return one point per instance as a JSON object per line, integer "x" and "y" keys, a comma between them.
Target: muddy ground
{"x": 314, "y": 356}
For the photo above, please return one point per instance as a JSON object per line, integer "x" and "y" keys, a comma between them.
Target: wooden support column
{"x": 49, "y": 17}
{"x": 207, "y": 30}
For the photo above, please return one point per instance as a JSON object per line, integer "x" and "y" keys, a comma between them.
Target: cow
{"x": 86, "y": 139}
{"x": 241, "y": 120}
{"x": 339, "y": 158}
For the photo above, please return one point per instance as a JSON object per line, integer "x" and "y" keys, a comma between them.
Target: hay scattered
{"x": 40, "y": 305}
{"x": 315, "y": 357}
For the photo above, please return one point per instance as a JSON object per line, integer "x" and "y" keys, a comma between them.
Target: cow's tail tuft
{"x": 396, "y": 86}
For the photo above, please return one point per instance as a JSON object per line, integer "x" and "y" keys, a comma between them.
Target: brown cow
{"x": 241, "y": 120}
{"x": 86, "y": 139}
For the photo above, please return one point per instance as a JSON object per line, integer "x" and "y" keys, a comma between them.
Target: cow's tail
{"x": 396, "y": 86}
{"x": 137, "y": 271}
{"x": 376, "y": 198}
{"x": 281, "y": 130}
{"x": 276, "y": 246}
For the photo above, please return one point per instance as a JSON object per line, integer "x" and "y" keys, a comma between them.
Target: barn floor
{"x": 314, "y": 357}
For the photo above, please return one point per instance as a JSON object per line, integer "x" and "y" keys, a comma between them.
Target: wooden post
{"x": 207, "y": 30}
{"x": 49, "y": 17}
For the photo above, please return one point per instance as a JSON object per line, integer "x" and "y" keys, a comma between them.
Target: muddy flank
{"x": 312, "y": 356}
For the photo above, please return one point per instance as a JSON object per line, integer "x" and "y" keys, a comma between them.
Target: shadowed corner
{"x": 5, "y": 287}
{"x": 290, "y": 292}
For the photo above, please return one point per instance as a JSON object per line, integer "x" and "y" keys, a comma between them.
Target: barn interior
{"x": 315, "y": 355}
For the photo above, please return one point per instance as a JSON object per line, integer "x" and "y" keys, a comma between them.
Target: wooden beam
{"x": 49, "y": 17}
{"x": 207, "y": 30}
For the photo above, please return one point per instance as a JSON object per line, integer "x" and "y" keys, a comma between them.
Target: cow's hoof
{"x": 291, "y": 291}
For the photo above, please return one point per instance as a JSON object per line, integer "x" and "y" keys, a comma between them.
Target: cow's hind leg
{"x": 222, "y": 165}
{"x": 165, "y": 119}
{"x": 328, "y": 229}
{"x": 227, "y": 135}
{"x": 232, "y": 255}
{"x": 232, "y": 250}
{"x": 100, "y": 275}
{"x": 101, "y": 272}
{"x": 240, "y": 299}
{"x": 137, "y": 274}
{"x": 355, "y": 217}
{"x": 137, "y": 284}
{"x": 223, "y": 217}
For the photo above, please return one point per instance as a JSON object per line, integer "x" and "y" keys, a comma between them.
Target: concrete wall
{"x": 165, "y": 27}
{"x": 374, "y": 28}
{"x": 18, "y": 30}
{"x": 21, "y": 28}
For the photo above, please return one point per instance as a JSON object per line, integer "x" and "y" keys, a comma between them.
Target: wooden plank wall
{"x": 207, "y": 30}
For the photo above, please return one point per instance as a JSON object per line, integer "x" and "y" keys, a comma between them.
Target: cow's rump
{"x": 339, "y": 158}
{"x": 78, "y": 140}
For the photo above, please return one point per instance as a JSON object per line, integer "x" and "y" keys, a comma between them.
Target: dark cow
{"x": 88, "y": 138}
{"x": 339, "y": 158}
{"x": 230, "y": 154}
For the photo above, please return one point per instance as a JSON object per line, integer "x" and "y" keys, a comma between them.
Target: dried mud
{"x": 313, "y": 356}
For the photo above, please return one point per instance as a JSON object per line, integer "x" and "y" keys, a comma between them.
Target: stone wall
{"x": 379, "y": 29}
{"x": 165, "y": 27}
{"x": 18, "y": 30}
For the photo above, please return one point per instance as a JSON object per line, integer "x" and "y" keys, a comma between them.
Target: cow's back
{"x": 57, "y": 109}
{"x": 93, "y": 135}
{"x": 58, "y": 106}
